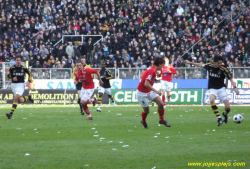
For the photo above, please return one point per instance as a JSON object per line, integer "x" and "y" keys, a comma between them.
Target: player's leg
{"x": 164, "y": 97}
{"x": 78, "y": 89}
{"x": 108, "y": 92}
{"x": 17, "y": 89}
{"x": 79, "y": 101}
{"x": 85, "y": 97}
{"x": 161, "y": 110}
{"x": 168, "y": 89}
{"x": 222, "y": 94}
{"x": 143, "y": 101}
{"x": 163, "y": 89}
{"x": 212, "y": 97}
{"x": 100, "y": 94}
{"x": 227, "y": 110}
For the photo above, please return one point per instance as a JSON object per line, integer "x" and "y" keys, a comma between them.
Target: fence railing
{"x": 51, "y": 73}
{"x": 119, "y": 73}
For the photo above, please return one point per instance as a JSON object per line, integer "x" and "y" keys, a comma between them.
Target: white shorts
{"x": 143, "y": 98}
{"x": 157, "y": 86}
{"x": 104, "y": 90}
{"x": 220, "y": 93}
{"x": 18, "y": 88}
{"x": 86, "y": 94}
{"x": 166, "y": 85}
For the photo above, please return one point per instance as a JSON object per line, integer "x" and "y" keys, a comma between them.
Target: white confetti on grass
{"x": 154, "y": 167}
{"x": 155, "y": 136}
{"x": 118, "y": 114}
{"x": 24, "y": 118}
{"x": 155, "y": 113}
{"x": 58, "y": 132}
{"x": 93, "y": 128}
{"x": 114, "y": 149}
{"x": 95, "y": 135}
{"x": 158, "y": 133}
{"x": 35, "y": 128}
{"x": 86, "y": 165}
{"x": 125, "y": 145}
{"x": 102, "y": 138}
{"x": 121, "y": 142}
{"x": 167, "y": 137}
{"x": 18, "y": 128}
{"x": 110, "y": 141}
{"x": 214, "y": 130}
{"x": 96, "y": 131}
{"x": 27, "y": 154}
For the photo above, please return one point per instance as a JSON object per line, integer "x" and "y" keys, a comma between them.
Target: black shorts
{"x": 79, "y": 86}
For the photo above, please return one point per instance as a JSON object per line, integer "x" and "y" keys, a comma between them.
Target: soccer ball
{"x": 238, "y": 118}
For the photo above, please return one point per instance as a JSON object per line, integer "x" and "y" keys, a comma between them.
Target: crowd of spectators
{"x": 134, "y": 32}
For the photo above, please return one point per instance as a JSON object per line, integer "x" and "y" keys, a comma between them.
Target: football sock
{"x": 86, "y": 109}
{"x": 227, "y": 111}
{"x": 111, "y": 98}
{"x": 89, "y": 101}
{"x": 169, "y": 96}
{"x": 25, "y": 98}
{"x": 163, "y": 98}
{"x": 161, "y": 115}
{"x": 14, "y": 105}
{"x": 143, "y": 117}
{"x": 79, "y": 102}
{"x": 215, "y": 110}
{"x": 99, "y": 101}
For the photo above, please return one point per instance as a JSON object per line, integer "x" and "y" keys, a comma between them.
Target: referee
{"x": 17, "y": 75}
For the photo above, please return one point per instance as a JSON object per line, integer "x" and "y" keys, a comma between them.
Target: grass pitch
{"x": 51, "y": 137}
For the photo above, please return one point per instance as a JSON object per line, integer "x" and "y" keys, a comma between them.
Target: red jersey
{"x": 86, "y": 78}
{"x": 168, "y": 76}
{"x": 149, "y": 75}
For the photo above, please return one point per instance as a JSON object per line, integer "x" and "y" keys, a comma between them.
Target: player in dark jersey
{"x": 217, "y": 74}
{"x": 105, "y": 76}
{"x": 79, "y": 84}
{"x": 17, "y": 76}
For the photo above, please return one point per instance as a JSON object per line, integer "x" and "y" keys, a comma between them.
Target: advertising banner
{"x": 242, "y": 98}
{"x": 69, "y": 83}
{"x": 48, "y": 96}
{"x": 181, "y": 96}
{"x": 240, "y": 83}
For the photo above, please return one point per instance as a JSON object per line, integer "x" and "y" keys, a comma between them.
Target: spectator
{"x": 70, "y": 49}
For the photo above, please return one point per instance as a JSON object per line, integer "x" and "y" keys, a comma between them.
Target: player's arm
{"x": 9, "y": 75}
{"x": 196, "y": 64}
{"x": 76, "y": 80}
{"x": 230, "y": 77}
{"x": 148, "y": 85}
{"x": 172, "y": 70}
{"x": 94, "y": 71}
{"x": 29, "y": 74}
{"x": 108, "y": 75}
{"x": 74, "y": 70}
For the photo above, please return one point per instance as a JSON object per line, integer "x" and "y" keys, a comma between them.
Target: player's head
{"x": 166, "y": 61}
{"x": 83, "y": 60}
{"x": 79, "y": 65}
{"x": 218, "y": 61}
{"x": 103, "y": 65}
{"x": 159, "y": 63}
{"x": 18, "y": 60}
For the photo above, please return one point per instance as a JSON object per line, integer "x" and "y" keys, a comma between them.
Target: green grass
{"x": 59, "y": 137}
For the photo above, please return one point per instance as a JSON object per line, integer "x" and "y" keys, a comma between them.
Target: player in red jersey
{"x": 84, "y": 75}
{"x": 166, "y": 81}
{"x": 146, "y": 92}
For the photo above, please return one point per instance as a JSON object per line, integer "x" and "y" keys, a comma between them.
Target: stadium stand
{"x": 134, "y": 31}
